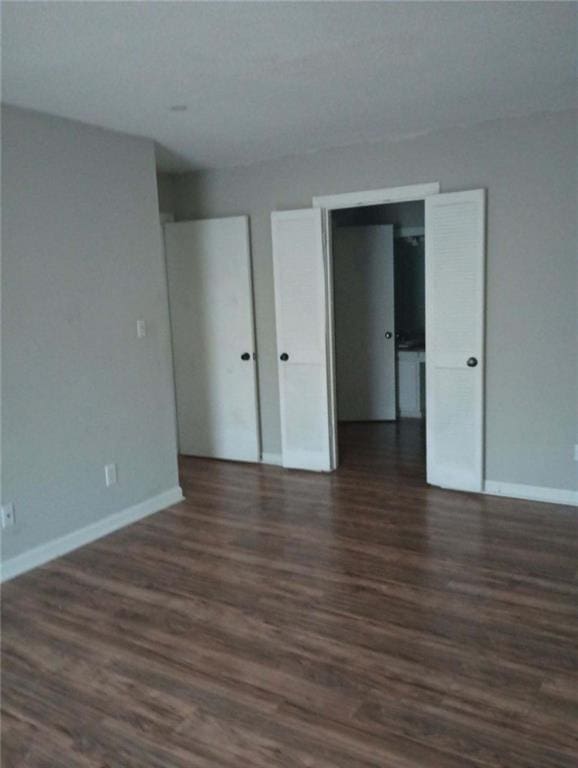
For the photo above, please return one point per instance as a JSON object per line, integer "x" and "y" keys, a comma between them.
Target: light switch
{"x": 110, "y": 475}
{"x": 141, "y": 329}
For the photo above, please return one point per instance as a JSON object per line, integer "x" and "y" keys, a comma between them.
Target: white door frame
{"x": 328, "y": 204}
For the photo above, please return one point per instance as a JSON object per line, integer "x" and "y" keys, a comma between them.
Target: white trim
{"x": 275, "y": 459}
{"x": 531, "y": 492}
{"x": 254, "y": 355}
{"x": 329, "y": 203}
{"x": 71, "y": 541}
{"x": 377, "y": 196}
{"x": 330, "y": 336}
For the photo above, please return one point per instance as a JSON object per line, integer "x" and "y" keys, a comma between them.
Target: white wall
{"x": 528, "y": 166}
{"x": 82, "y": 261}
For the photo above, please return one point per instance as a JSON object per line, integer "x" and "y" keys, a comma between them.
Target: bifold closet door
{"x": 300, "y": 306}
{"x": 211, "y": 304}
{"x": 455, "y": 300}
{"x": 364, "y": 309}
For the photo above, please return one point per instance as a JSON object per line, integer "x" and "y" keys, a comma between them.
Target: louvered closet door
{"x": 455, "y": 300}
{"x": 300, "y": 308}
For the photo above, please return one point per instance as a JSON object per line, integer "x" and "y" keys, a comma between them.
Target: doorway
{"x": 379, "y": 329}
{"x": 454, "y": 320}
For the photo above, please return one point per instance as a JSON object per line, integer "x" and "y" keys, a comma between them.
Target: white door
{"x": 211, "y": 304}
{"x": 301, "y": 305}
{"x": 364, "y": 310}
{"x": 454, "y": 258}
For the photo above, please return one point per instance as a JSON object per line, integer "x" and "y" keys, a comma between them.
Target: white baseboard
{"x": 531, "y": 492}
{"x": 70, "y": 541}
{"x": 272, "y": 458}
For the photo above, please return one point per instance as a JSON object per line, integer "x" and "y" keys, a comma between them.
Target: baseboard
{"x": 71, "y": 541}
{"x": 272, "y": 458}
{"x": 532, "y": 492}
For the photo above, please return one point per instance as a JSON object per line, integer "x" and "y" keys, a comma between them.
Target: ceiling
{"x": 264, "y": 80}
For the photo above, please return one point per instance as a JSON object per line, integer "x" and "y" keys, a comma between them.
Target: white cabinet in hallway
{"x": 411, "y": 382}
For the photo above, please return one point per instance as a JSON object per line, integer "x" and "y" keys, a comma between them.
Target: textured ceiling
{"x": 264, "y": 80}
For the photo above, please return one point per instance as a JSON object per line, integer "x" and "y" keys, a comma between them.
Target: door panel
{"x": 364, "y": 309}
{"x": 211, "y": 303}
{"x": 300, "y": 300}
{"x": 455, "y": 300}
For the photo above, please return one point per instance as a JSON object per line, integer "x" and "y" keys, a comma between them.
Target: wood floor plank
{"x": 283, "y": 619}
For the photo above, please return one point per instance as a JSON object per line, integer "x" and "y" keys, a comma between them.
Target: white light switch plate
{"x": 141, "y": 329}
{"x": 110, "y": 475}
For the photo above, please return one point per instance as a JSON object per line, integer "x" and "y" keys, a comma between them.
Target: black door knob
{"x": 284, "y": 357}
{"x": 388, "y": 334}
{"x": 245, "y": 356}
{"x": 472, "y": 362}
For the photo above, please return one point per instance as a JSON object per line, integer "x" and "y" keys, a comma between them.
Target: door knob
{"x": 388, "y": 334}
{"x": 284, "y": 357}
{"x": 472, "y": 362}
{"x": 245, "y": 356}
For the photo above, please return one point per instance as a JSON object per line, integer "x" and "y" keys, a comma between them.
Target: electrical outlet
{"x": 7, "y": 516}
{"x": 141, "y": 329}
{"x": 110, "y": 475}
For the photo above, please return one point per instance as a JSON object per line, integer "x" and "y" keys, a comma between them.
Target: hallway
{"x": 351, "y": 620}
{"x": 392, "y": 450}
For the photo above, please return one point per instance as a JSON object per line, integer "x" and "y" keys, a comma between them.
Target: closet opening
{"x": 378, "y": 267}
{"x": 375, "y": 350}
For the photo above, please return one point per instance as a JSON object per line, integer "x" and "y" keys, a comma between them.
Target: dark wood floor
{"x": 295, "y": 620}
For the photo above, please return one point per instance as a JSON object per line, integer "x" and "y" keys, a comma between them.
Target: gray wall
{"x": 166, "y": 192}
{"x": 528, "y": 166}
{"x": 82, "y": 261}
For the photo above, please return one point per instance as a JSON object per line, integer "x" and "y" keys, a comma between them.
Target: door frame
{"x": 328, "y": 204}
